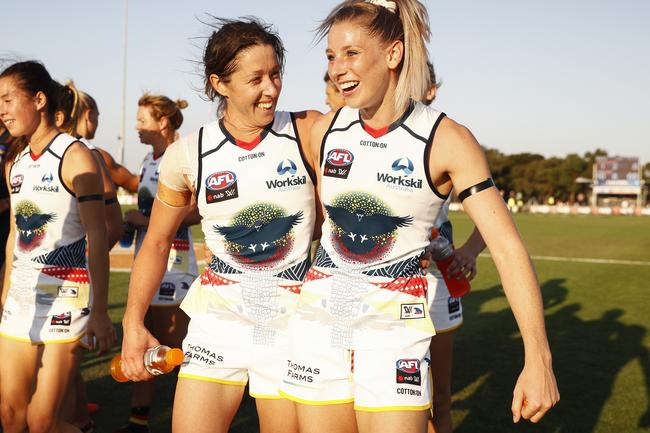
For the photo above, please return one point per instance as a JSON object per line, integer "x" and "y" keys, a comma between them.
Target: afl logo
{"x": 408, "y": 365}
{"x": 220, "y": 180}
{"x": 16, "y": 183}
{"x": 287, "y": 166}
{"x": 340, "y": 157}
{"x": 403, "y": 164}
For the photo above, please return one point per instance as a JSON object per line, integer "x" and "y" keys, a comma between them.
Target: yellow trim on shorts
{"x": 312, "y": 402}
{"x": 392, "y": 408}
{"x": 448, "y": 330}
{"x": 37, "y": 343}
{"x": 211, "y": 379}
{"x": 266, "y": 397}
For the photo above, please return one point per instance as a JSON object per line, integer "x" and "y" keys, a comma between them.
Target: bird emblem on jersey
{"x": 364, "y": 228}
{"x": 31, "y": 224}
{"x": 260, "y": 235}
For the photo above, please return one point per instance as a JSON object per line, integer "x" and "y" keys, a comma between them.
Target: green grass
{"x": 597, "y": 321}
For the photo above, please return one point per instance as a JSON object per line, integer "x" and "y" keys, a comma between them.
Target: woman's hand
{"x": 136, "y": 218}
{"x": 136, "y": 341}
{"x": 100, "y": 331}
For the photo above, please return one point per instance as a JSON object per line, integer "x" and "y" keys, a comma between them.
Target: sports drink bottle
{"x": 157, "y": 360}
{"x": 442, "y": 252}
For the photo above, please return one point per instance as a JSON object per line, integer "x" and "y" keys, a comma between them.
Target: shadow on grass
{"x": 587, "y": 356}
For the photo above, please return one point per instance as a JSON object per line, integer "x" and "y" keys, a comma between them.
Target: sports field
{"x": 597, "y": 316}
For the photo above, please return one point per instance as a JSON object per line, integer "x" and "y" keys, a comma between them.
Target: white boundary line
{"x": 584, "y": 260}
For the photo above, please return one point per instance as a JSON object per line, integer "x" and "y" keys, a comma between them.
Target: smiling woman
{"x": 252, "y": 179}
{"x": 58, "y": 215}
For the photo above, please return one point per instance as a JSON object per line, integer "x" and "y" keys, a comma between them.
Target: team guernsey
{"x": 257, "y": 204}
{"x": 49, "y": 295}
{"x": 365, "y": 294}
{"x": 181, "y": 265}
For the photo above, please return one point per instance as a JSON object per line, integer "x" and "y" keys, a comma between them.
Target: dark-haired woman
{"x": 252, "y": 179}
{"x": 57, "y": 210}
{"x": 387, "y": 166}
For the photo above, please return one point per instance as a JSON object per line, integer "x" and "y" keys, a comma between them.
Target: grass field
{"x": 597, "y": 320}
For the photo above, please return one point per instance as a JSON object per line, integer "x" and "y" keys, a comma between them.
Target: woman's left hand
{"x": 535, "y": 393}
{"x": 101, "y": 328}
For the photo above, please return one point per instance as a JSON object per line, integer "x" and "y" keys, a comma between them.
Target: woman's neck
{"x": 159, "y": 147}
{"x": 383, "y": 114}
{"x": 41, "y": 137}
{"x": 240, "y": 130}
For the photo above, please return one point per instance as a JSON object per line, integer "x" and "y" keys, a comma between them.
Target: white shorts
{"x": 212, "y": 355}
{"x": 446, "y": 311}
{"x": 375, "y": 380}
{"x": 58, "y": 328}
{"x": 172, "y": 290}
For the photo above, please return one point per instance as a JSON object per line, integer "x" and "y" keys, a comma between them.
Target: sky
{"x": 552, "y": 77}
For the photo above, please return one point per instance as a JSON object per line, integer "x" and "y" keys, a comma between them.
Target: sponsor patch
{"x": 16, "y": 183}
{"x": 68, "y": 292}
{"x": 167, "y": 289}
{"x": 408, "y": 371}
{"x": 287, "y": 166}
{"x": 453, "y": 304}
{"x": 412, "y": 311}
{"x": 221, "y": 186}
{"x": 338, "y": 163}
{"x": 62, "y": 319}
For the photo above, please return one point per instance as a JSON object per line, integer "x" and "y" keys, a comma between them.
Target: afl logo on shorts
{"x": 16, "y": 183}
{"x": 408, "y": 371}
{"x": 338, "y": 163}
{"x": 62, "y": 319}
{"x": 220, "y": 186}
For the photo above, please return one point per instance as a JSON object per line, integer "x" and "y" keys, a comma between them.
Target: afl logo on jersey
{"x": 408, "y": 371}
{"x": 16, "y": 183}
{"x": 220, "y": 186}
{"x": 338, "y": 163}
{"x": 405, "y": 165}
{"x": 287, "y": 166}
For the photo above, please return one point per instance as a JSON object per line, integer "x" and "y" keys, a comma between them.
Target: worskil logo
{"x": 404, "y": 165}
{"x": 287, "y": 166}
{"x": 221, "y": 186}
{"x": 46, "y": 182}
{"x": 16, "y": 183}
{"x": 340, "y": 157}
{"x": 408, "y": 365}
{"x": 338, "y": 163}
{"x": 47, "y": 178}
{"x": 404, "y": 182}
{"x": 220, "y": 180}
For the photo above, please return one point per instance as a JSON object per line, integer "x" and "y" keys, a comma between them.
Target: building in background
{"x": 617, "y": 181}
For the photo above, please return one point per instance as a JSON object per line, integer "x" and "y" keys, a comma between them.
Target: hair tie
{"x": 390, "y": 5}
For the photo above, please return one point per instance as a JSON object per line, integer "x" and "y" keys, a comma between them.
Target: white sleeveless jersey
{"x": 49, "y": 274}
{"x": 257, "y": 204}
{"x": 366, "y": 288}
{"x": 182, "y": 258}
{"x": 379, "y": 200}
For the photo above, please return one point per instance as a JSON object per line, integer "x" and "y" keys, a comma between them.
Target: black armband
{"x": 110, "y": 201}
{"x": 92, "y": 197}
{"x": 487, "y": 183}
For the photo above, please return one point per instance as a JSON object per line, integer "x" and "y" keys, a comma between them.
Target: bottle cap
{"x": 174, "y": 357}
{"x": 434, "y": 233}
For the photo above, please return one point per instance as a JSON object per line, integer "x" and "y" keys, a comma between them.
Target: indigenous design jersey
{"x": 182, "y": 258}
{"x": 257, "y": 204}
{"x": 366, "y": 287}
{"x": 49, "y": 273}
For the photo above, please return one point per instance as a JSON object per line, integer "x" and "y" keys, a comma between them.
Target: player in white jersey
{"x": 252, "y": 178}
{"x": 158, "y": 119}
{"x": 57, "y": 208}
{"x": 377, "y": 57}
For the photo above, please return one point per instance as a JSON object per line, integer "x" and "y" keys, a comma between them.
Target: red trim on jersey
{"x": 34, "y": 156}
{"x": 248, "y": 145}
{"x": 376, "y": 133}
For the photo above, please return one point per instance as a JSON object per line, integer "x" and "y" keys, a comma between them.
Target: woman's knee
{"x": 40, "y": 420}
{"x": 13, "y": 415}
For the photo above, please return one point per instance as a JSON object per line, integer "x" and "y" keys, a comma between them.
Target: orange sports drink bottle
{"x": 442, "y": 252}
{"x": 157, "y": 360}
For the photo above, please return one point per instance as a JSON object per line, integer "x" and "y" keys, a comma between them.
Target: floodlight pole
{"x": 122, "y": 144}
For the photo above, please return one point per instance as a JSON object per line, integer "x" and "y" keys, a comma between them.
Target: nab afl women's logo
{"x": 221, "y": 186}
{"x": 16, "y": 183}
{"x": 338, "y": 163}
